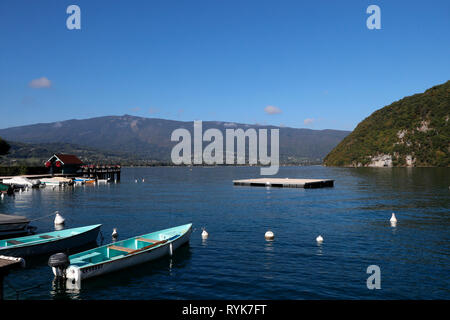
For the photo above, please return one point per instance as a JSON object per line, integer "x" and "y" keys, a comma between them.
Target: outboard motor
{"x": 59, "y": 263}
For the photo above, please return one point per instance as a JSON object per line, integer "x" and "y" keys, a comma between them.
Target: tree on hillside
{"x": 4, "y": 147}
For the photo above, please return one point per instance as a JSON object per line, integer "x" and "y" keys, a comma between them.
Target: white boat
{"x": 22, "y": 182}
{"x": 56, "y": 181}
{"x": 120, "y": 254}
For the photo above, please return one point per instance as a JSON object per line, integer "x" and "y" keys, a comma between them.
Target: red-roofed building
{"x": 64, "y": 163}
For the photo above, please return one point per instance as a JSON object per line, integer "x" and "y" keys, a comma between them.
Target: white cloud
{"x": 40, "y": 83}
{"x": 308, "y": 121}
{"x": 272, "y": 110}
{"x": 153, "y": 110}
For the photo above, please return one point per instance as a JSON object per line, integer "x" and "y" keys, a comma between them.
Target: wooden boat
{"x": 12, "y": 224}
{"x": 121, "y": 254}
{"x": 49, "y": 242}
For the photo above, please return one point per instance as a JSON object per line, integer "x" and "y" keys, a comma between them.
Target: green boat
{"x": 120, "y": 254}
{"x": 5, "y": 188}
{"x": 49, "y": 242}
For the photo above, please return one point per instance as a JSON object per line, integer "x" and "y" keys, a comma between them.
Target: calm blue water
{"x": 236, "y": 262}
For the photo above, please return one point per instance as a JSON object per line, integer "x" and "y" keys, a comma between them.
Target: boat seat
{"x": 147, "y": 240}
{"x": 154, "y": 244}
{"x": 128, "y": 250}
{"x": 46, "y": 236}
{"x": 14, "y": 242}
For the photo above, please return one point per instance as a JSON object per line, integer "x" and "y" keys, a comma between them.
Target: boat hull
{"x": 73, "y": 241}
{"x": 80, "y": 273}
{"x": 13, "y": 227}
{"x": 11, "y": 224}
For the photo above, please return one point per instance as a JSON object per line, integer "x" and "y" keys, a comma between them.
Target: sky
{"x": 302, "y": 64}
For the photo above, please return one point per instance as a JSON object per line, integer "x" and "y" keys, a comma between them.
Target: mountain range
{"x": 133, "y": 139}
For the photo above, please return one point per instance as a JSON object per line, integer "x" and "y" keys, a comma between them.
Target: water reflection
{"x": 65, "y": 289}
{"x": 269, "y": 257}
{"x": 319, "y": 251}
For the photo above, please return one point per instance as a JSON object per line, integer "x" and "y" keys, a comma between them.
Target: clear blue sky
{"x": 223, "y": 60}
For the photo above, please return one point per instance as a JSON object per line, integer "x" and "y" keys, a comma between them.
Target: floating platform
{"x": 7, "y": 263}
{"x": 285, "y": 183}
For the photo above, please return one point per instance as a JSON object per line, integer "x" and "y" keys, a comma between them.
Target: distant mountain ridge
{"x": 150, "y": 137}
{"x": 414, "y": 131}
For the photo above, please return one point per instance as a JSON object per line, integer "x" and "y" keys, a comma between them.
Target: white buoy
{"x": 319, "y": 239}
{"x": 393, "y": 218}
{"x": 269, "y": 235}
{"x": 2, "y": 196}
{"x": 143, "y": 179}
{"x": 20, "y": 190}
{"x": 204, "y": 234}
{"x": 59, "y": 219}
{"x": 115, "y": 234}
{"x": 135, "y": 180}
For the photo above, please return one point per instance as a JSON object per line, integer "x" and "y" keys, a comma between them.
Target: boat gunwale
{"x": 39, "y": 242}
{"x": 131, "y": 254}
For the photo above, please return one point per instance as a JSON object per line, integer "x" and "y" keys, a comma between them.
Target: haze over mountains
{"x": 149, "y": 138}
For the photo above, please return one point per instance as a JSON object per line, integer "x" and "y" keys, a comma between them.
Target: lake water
{"x": 236, "y": 262}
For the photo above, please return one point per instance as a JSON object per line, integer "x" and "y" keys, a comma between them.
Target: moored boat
{"x": 12, "y": 224}
{"x": 49, "y": 242}
{"x": 22, "y": 182}
{"x": 57, "y": 181}
{"x": 6, "y": 188}
{"x": 81, "y": 180}
{"x": 119, "y": 255}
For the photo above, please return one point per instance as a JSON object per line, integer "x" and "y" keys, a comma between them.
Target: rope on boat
{"x": 101, "y": 237}
{"x": 49, "y": 215}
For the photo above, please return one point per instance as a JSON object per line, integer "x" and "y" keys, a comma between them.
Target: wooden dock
{"x": 111, "y": 172}
{"x": 7, "y": 264}
{"x": 89, "y": 171}
{"x": 285, "y": 183}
